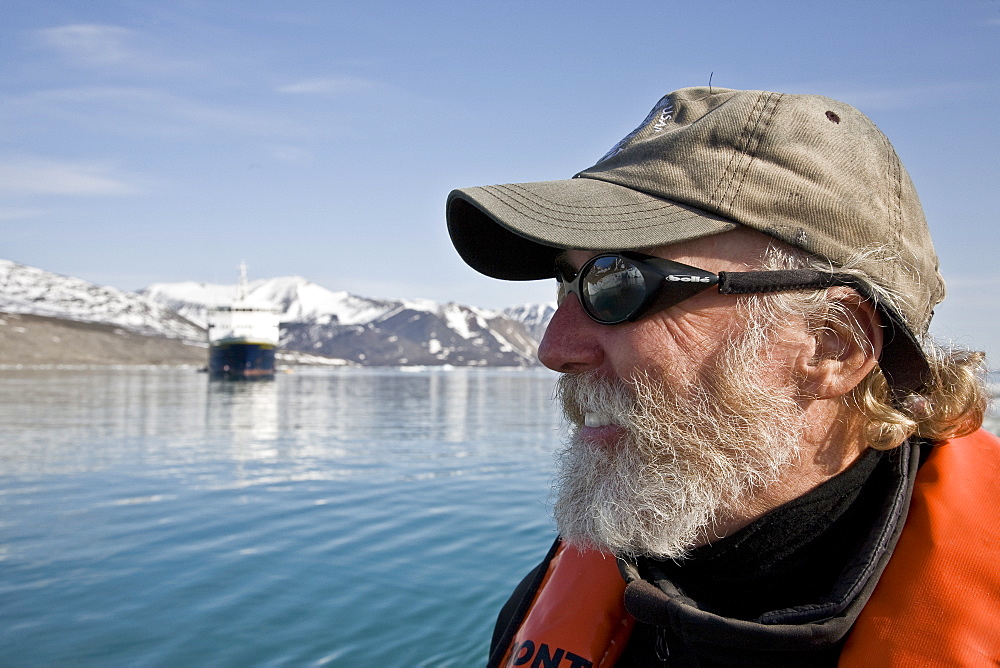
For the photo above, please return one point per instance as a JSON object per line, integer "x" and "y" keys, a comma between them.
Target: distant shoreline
{"x": 27, "y": 339}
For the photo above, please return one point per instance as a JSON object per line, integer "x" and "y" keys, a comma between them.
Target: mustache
{"x": 590, "y": 392}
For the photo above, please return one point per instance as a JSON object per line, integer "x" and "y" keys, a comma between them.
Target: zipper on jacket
{"x": 662, "y": 647}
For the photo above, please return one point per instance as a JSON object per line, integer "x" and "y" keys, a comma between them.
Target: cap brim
{"x": 514, "y": 231}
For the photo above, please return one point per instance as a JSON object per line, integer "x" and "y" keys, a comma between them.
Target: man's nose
{"x": 570, "y": 344}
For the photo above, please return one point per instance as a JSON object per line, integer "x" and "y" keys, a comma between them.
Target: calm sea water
{"x": 345, "y": 517}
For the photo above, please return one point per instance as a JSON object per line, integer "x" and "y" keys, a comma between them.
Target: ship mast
{"x": 241, "y": 290}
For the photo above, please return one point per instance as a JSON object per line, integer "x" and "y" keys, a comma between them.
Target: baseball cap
{"x": 810, "y": 171}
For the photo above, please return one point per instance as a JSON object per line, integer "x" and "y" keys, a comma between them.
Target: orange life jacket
{"x": 578, "y": 614}
{"x": 937, "y": 602}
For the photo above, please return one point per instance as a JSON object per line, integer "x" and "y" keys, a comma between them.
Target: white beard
{"x": 689, "y": 458}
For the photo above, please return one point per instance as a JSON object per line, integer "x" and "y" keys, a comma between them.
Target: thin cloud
{"x": 292, "y": 154}
{"x": 50, "y": 177}
{"x": 898, "y": 98}
{"x": 886, "y": 98}
{"x": 89, "y": 44}
{"x": 327, "y": 86}
{"x": 109, "y": 47}
{"x": 7, "y": 215}
{"x": 144, "y": 111}
{"x": 973, "y": 282}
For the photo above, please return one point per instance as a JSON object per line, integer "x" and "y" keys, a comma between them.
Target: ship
{"x": 242, "y": 338}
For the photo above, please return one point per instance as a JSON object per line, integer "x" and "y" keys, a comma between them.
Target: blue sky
{"x": 145, "y": 141}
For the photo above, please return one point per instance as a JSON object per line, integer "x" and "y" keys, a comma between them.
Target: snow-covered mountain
{"x": 315, "y": 320}
{"x": 33, "y": 291}
{"x": 373, "y": 331}
{"x": 534, "y": 317}
{"x": 298, "y": 299}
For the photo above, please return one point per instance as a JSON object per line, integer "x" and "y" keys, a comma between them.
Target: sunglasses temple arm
{"x": 750, "y": 282}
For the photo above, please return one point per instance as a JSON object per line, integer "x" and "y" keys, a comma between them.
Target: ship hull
{"x": 241, "y": 360}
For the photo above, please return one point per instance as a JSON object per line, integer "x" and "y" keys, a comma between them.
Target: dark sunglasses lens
{"x": 612, "y": 288}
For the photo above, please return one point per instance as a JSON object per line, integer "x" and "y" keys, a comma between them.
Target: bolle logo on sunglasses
{"x": 688, "y": 279}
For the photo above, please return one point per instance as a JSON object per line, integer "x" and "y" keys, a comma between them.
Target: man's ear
{"x": 848, "y": 344}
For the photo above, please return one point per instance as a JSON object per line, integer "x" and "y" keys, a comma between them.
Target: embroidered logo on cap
{"x": 663, "y": 113}
{"x": 666, "y": 115}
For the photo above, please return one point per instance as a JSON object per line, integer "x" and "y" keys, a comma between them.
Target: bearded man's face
{"x": 689, "y": 450}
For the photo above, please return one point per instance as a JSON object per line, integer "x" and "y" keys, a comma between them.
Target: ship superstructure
{"x": 242, "y": 338}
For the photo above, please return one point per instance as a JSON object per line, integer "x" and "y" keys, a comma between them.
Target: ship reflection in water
{"x": 242, "y": 338}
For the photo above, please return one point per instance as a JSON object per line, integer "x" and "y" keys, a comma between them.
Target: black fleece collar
{"x": 702, "y": 631}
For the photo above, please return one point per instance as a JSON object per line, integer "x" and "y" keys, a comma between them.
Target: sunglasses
{"x": 623, "y": 287}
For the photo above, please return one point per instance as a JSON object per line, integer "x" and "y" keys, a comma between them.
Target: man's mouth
{"x": 597, "y": 419}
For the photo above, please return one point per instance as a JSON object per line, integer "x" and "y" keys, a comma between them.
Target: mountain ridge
{"x": 317, "y": 323}
{"x": 373, "y": 331}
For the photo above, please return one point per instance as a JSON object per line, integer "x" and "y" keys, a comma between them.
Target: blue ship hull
{"x": 239, "y": 360}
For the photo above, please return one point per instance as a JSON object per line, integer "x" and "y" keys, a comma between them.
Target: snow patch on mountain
{"x": 298, "y": 299}
{"x": 535, "y": 317}
{"x": 33, "y": 291}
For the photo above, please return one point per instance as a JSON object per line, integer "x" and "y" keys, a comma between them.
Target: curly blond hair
{"x": 952, "y": 403}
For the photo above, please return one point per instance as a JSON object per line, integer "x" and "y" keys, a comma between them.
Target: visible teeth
{"x": 596, "y": 420}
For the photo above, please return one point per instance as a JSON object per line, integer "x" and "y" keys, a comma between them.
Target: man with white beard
{"x": 768, "y": 463}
